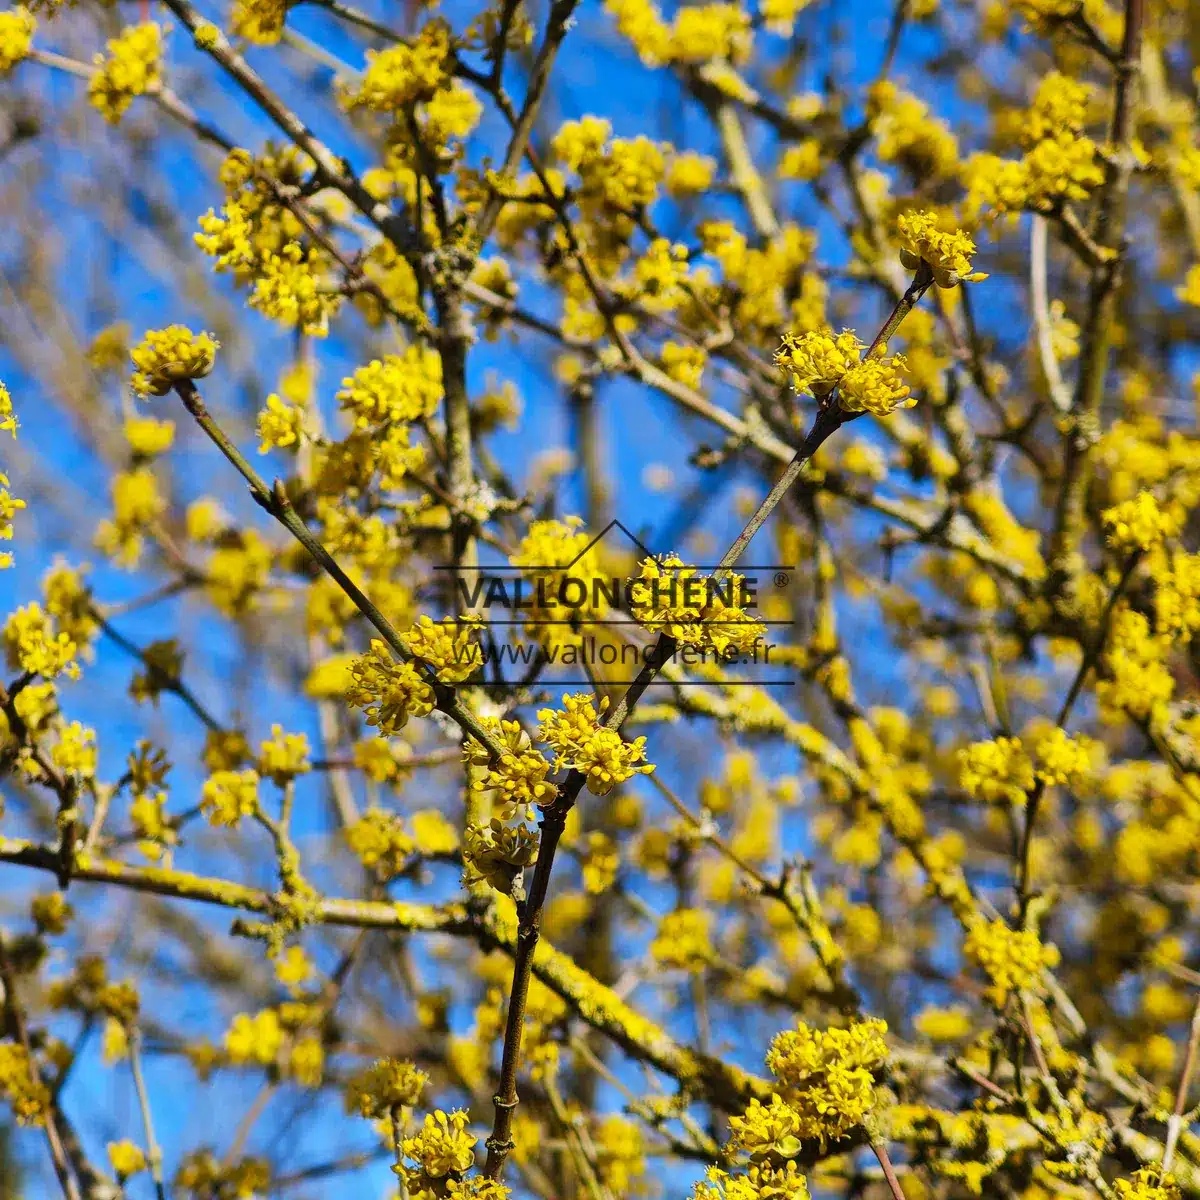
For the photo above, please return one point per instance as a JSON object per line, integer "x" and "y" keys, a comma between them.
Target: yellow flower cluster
{"x": 228, "y": 796}
{"x": 288, "y": 289}
{"x": 280, "y": 425}
{"x": 760, "y": 1182}
{"x": 166, "y": 356}
{"x": 399, "y": 387}
{"x": 699, "y": 33}
{"x": 551, "y": 553}
{"x": 10, "y": 505}
{"x": 147, "y": 437}
{"x": 33, "y": 644}
{"x": 876, "y": 385}
{"x": 126, "y": 1158}
{"x": 449, "y": 648}
{"x": 623, "y": 174}
{"x": 387, "y": 1085}
{"x": 1060, "y": 162}
{"x": 671, "y": 598}
{"x": 1137, "y": 680}
{"x": 283, "y": 756}
{"x": 908, "y": 133}
{"x": 137, "y": 504}
{"x": 1013, "y": 959}
{"x": 943, "y": 1024}
{"x": 254, "y": 1039}
{"x": 1042, "y": 14}
{"x": 684, "y": 939}
{"x": 75, "y": 750}
{"x": 581, "y": 743}
{"x": 131, "y": 69}
{"x": 1147, "y": 1184}
{"x": 1062, "y": 760}
{"x": 818, "y": 362}
{"x": 17, "y": 27}
{"x": 1139, "y": 524}
{"x": 379, "y": 840}
{"x": 8, "y": 418}
{"x": 1061, "y": 104}
{"x": 265, "y": 245}
{"x": 947, "y": 254}
{"x": 258, "y": 21}
{"x": 441, "y": 1147}
{"x": 25, "y": 1093}
{"x": 494, "y": 853}
{"x": 389, "y": 692}
{"x": 827, "y": 1088}
{"x": 517, "y": 780}
{"x": 51, "y": 913}
{"x": 400, "y": 76}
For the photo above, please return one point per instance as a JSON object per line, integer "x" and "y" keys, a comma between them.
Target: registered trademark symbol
{"x": 781, "y": 579}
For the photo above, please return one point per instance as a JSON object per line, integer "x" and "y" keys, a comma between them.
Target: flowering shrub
{"x": 411, "y": 784}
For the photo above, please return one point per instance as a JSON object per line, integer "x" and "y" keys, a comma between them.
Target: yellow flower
{"x": 32, "y": 644}
{"x": 75, "y": 750}
{"x": 908, "y": 133}
{"x": 167, "y": 356}
{"x": 828, "y": 1077}
{"x": 399, "y": 387}
{"x": 947, "y": 254}
{"x": 126, "y": 1159}
{"x": 280, "y": 425}
{"x": 684, "y": 939}
{"x": 147, "y": 437}
{"x": 998, "y": 771}
{"x": 1147, "y": 1184}
{"x": 287, "y": 288}
{"x": 51, "y": 912}
{"x": 943, "y": 1024}
{"x": 684, "y": 363}
{"x": 1013, "y": 959}
{"x": 258, "y": 21}
{"x": 1139, "y": 524}
{"x": 1062, "y": 759}
{"x": 388, "y": 1084}
{"x": 389, "y": 692}
{"x": 17, "y": 27}
{"x": 1042, "y": 14}
{"x": 761, "y": 1180}
{"x": 132, "y": 69}
{"x": 10, "y": 505}
{"x": 1061, "y": 103}
{"x": 767, "y": 1131}
{"x": 690, "y": 173}
{"x": 451, "y": 112}
{"x": 254, "y": 1038}
{"x": 442, "y": 1146}
{"x": 284, "y": 756}
{"x": 8, "y": 418}
{"x": 817, "y": 361}
{"x": 875, "y": 385}
{"x": 496, "y": 852}
{"x": 28, "y": 1096}
{"x": 228, "y": 796}
{"x": 402, "y": 75}
{"x": 380, "y": 842}
{"x": 582, "y": 744}
{"x": 600, "y": 863}
{"x": 447, "y": 647}
{"x": 518, "y": 778}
